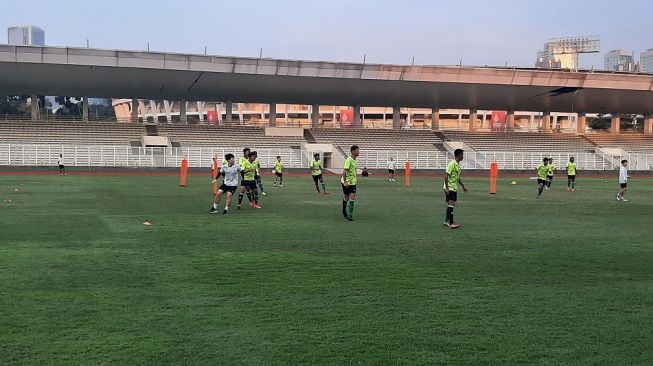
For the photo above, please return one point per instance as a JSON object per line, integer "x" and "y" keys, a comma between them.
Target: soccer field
{"x": 567, "y": 280}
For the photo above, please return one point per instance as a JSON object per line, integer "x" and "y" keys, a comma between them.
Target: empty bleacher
{"x": 522, "y": 141}
{"x": 226, "y": 136}
{"x": 70, "y": 133}
{"x": 379, "y": 139}
{"x": 635, "y": 142}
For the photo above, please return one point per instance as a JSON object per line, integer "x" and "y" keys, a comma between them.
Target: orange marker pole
{"x": 408, "y": 174}
{"x": 215, "y": 175}
{"x": 494, "y": 173}
{"x": 183, "y": 173}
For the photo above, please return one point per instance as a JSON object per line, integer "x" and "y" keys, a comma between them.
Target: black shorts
{"x": 541, "y": 181}
{"x": 280, "y": 175}
{"x": 60, "y": 166}
{"x": 549, "y": 177}
{"x": 351, "y": 189}
{"x": 251, "y": 184}
{"x": 225, "y": 188}
{"x": 317, "y": 178}
{"x": 571, "y": 177}
{"x": 391, "y": 171}
{"x": 623, "y": 185}
{"x": 451, "y": 196}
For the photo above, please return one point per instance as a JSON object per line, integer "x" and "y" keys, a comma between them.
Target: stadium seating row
{"x": 75, "y": 133}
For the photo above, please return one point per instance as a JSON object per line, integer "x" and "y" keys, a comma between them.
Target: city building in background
{"x": 646, "y": 61}
{"x": 27, "y": 35}
{"x": 619, "y": 60}
{"x": 562, "y": 53}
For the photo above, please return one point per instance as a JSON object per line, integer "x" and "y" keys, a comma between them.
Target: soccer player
{"x": 542, "y": 172}
{"x": 257, "y": 165}
{"x": 316, "y": 173}
{"x": 451, "y": 182}
{"x": 571, "y": 174}
{"x": 62, "y": 168}
{"x": 278, "y": 172}
{"x": 549, "y": 174}
{"x": 623, "y": 181}
{"x": 249, "y": 180}
{"x": 230, "y": 171}
{"x": 241, "y": 161}
{"x": 348, "y": 182}
{"x": 391, "y": 170}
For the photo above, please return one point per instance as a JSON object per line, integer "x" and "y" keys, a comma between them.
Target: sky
{"x": 476, "y": 32}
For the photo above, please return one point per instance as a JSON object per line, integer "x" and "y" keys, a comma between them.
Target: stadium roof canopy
{"x": 153, "y": 75}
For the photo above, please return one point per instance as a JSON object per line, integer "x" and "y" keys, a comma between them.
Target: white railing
{"x": 160, "y": 157}
{"x": 127, "y": 156}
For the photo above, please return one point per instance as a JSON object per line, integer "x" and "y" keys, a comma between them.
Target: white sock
{"x": 226, "y": 208}
{"x": 215, "y": 206}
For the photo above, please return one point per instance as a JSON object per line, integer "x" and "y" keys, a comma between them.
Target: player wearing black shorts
{"x": 542, "y": 173}
{"x": 452, "y": 182}
{"x": 316, "y": 173}
{"x": 230, "y": 171}
{"x": 348, "y": 182}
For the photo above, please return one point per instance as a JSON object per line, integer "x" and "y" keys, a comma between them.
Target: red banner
{"x": 498, "y": 121}
{"x": 213, "y": 117}
{"x": 346, "y": 117}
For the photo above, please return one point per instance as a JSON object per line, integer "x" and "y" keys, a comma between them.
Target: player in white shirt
{"x": 230, "y": 173}
{"x": 62, "y": 168}
{"x": 391, "y": 170}
{"x": 623, "y": 181}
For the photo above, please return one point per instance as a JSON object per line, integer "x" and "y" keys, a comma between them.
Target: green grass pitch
{"x": 567, "y": 280}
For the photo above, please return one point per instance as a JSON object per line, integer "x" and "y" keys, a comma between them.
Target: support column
{"x": 581, "y": 123}
{"x": 648, "y": 123}
{"x": 546, "y": 121}
{"x": 435, "y": 119}
{"x": 85, "y": 109}
{"x": 473, "y": 115}
{"x": 357, "y": 116}
{"x": 396, "y": 118}
{"x": 273, "y": 115}
{"x": 229, "y": 111}
{"x": 531, "y": 121}
{"x": 134, "y": 116}
{"x": 616, "y": 123}
{"x": 510, "y": 120}
{"x": 182, "y": 111}
{"x": 315, "y": 115}
{"x": 34, "y": 102}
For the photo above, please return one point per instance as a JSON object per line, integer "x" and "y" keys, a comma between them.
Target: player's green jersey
{"x": 242, "y": 160}
{"x": 278, "y": 166}
{"x": 316, "y": 167}
{"x": 552, "y": 169}
{"x": 351, "y": 171}
{"x": 542, "y": 171}
{"x": 249, "y": 170}
{"x": 257, "y": 166}
{"x": 453, "y": 173}
{"x": 571, "y": 168}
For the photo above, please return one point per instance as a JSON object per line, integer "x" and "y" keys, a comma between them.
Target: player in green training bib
{"x": 316, "y": 173}
{"x": 249, "y": 179}
{"x": 259, "y": 182}
{"x": 242, "y": 161}
{"x": 278, "y": 172}
{"x": 452, "y": 183}
{"x": 348, "y": 182}
{"x": 542, "y": 173}
{"x": 549, "y": 174}
{"x": 571, "y": 174}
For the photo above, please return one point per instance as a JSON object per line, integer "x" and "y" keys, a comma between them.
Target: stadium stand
{"x": 379, "y": 139}
{"x": 70, "y": 133}
{"x": 635, "y": 143}
{"x": 521, "y": 141}
{"x": 225, "y": 136}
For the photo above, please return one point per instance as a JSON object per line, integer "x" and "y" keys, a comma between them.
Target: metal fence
{"x": 126, "y": 156}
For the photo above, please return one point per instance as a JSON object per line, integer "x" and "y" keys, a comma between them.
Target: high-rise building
{"x": 562, "y": 53}
{"x": 27, "y": 35}
{"x": 646, "y": 61}
{"x": 619, "y": 60}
